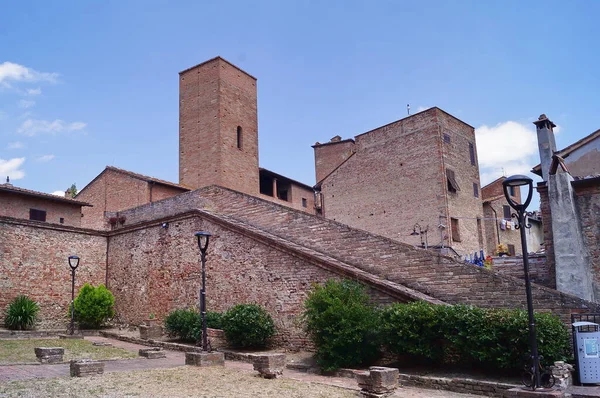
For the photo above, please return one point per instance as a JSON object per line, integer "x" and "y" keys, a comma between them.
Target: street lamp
{"x": 73, "y": 263}
{"x": 519, "y": 181}
{"x": 203, "y": 238}
{"x": 420, "y": 233}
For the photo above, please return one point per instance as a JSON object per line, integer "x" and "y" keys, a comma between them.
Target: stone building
{"x": 422, "y": 170}
{"x": 570, "y": 205}
{"x": 268, "y": 246}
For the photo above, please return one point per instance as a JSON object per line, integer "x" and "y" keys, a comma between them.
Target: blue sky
{"x": 87, "y": 84}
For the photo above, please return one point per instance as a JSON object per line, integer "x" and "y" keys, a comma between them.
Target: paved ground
{"x": 175, "y": 359}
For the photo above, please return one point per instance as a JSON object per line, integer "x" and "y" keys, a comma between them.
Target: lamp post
{"x": 519, "y": 181}
{"x": 420, "y": 233}
{"x": 203, "y": 238}
{"x": 73, "y": 263}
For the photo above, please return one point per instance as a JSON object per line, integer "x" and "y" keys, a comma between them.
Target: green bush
{"x": 247, "y": 325}
{"x": 184, "y": 324}
{"x": 187, "y": 324}
{"x": 460, "y": 334}
{"x": 21, "y": 314}
{"x": 94, "y": 306}
{"x": 342, "y": 324}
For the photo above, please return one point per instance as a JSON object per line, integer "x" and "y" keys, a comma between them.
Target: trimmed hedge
{"x": 248, "y": 326}
{"x": 347, "y": 331}
{"x": 94, "y": 306}
{"x": 186, "y": 324}
{"x": 342, "y": 324}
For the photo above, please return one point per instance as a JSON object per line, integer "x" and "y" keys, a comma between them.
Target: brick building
{"x": 42, "y": 207}
{"x": 422, "y": 170}
{"x": 268, "y": 246}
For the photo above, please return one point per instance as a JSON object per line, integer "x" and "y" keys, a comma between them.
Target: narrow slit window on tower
{"x": 472, "y": 153}
{"x": 239, "y": 137}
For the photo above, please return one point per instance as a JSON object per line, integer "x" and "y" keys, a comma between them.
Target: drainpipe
{"x": 496, "y": 222}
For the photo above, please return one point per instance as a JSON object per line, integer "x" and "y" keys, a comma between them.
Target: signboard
{"x": 590, "y": 348}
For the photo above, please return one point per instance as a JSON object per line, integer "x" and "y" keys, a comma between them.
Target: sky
{"x": 88, "y": 84}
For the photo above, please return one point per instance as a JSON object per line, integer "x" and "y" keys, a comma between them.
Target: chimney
{"x": 546, "y": 143}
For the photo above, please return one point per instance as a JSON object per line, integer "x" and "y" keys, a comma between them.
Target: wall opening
{"x": 455, "y": 229}
{"x": 37, "y": 215}
{"x": 451, "y": 179}
{"x": 239, "y": 137}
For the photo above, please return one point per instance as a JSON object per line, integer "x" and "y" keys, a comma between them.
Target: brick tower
{"x": 218, "y": 128}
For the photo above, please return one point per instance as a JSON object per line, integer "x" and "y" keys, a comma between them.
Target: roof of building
{"x": 139, "y": 177}
{"x": 215, "y": 59}
{"x": 565, "y": 152}
{"x": 27, "y": 192}
{"x": 260, "y": 169}
{"x": 318, "y": 144}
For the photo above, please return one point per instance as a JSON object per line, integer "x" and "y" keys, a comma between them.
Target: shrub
{"x": 342, "y": 324}
{"x": 184, "y": 324}
{"x": 94, "y": 306}
{"x": 214, "y": 320}
{"x": 21, "y": 314}
{"x": 492, "y": 338}
{"x": 247, "y": 325}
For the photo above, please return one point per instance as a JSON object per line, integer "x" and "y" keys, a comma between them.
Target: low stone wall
{"x": 466, "y": 386}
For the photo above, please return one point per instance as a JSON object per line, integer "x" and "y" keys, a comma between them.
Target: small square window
{"x": 475, "y": 190}
{"x": 37, "y": 215}
{"x": 61, "y": 220}
{"x": 304, "y": 202}
{"x": 446, "y": 138}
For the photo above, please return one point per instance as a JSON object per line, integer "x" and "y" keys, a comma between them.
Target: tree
{"x": 72, "y": 191}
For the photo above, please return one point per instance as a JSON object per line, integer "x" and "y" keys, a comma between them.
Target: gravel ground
{"x": 188, "y": 381}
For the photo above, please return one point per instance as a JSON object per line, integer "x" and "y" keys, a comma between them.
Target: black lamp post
{"x": 420, "y": 233}
{"x": 203, "y": 238}
{"x": 519, "y": 181}
{"x": 73, "y": 263}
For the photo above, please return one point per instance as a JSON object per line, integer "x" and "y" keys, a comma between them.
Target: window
{"x": 452, "y": 184}
{"x": 37, "y": 215}
{"x": 511, "y": 250}
{"x": 446, "y": 138}
{"x": 455, "y": 230}
{"x": 475, "y": 190}
{"x": 239, "y": 137}
{"x": 506, "y": 210}
{"x": 511, "y": 190}
{"x": 61, "y": 220}
{"x": 304, "y": 203}
{"x": 472, "y": 153}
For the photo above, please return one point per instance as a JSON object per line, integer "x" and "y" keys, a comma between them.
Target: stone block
{"x": 378, "y": 381}
{"x": 150, "y": 332}
{"x": 49, "y": 354}
{"x": 528, "y": 393}
{"x": 152, "y": 353}
{"x": 76, "y": 336}
{"x": 269, "y": 366}
{"x": 205, "y": 358}
{"x": 102, "y": 344}
{"x": 86, "y": 367}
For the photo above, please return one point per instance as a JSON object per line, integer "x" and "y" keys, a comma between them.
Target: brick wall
{"x": 215, "y": 98}
{"x": 464, "y": 205}
{"x": 17, "y": 206}
{"x": 588, "y": 205}
{"x": 330, "y": 155}
{"x": 538, "y": 269}
{"x": 507, "y": 236}
{"x": 113, "y": 191}
{"x": 494, "y": 189}
{"x": 297, "y": 193}
{"x": 33, "y": 261}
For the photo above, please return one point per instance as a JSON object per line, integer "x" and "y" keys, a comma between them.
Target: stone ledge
{"x": 468, "y": 386}
{"x": 269, "y": 366}
{"x": 152, "y": 353}
{"x": 86, "y": 367}
{"x": 205, "y": 358}
{"x": 49, "y": 354}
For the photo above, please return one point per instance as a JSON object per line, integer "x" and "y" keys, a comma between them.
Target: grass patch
{"x": 19, "y": 351}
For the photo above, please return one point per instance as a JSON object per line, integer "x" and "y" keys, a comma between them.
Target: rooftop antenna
{"x": 7, "y": 179}
{"x": 408, "y": 109}
{"x": 503, "y": 172}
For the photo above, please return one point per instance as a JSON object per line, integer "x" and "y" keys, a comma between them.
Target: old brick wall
{"x": 588, "y": 206}
{"x": 297, "y": 193}
{"x": 33, "y": 261}
{"x": 215, "y": 98}
{"x": 392, "y": 182}
{"x": 510, "y": 236}
{"x": 17, "y": 206}
{"x": 463, "y": 205}
{"x": 494, "y": 190}
{"x": 156, "y": 270}
{"x": 513, "y": 266}
{"x": 330, "y": 155}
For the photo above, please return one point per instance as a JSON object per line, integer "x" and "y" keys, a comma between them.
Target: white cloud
{"x": 509, "y": 146}
{"x": 556, "y": 129}
{"x": 45, "y": 158}
{"x": 26, "y": 103}
{"x": 34, "y": 91}
{"x": 15, "y": 145}
{"x": 11, "y": 168}
{"x": 31, "y": 127}
{"x": 59, "y": 193}
{"x": 14, "y": 72}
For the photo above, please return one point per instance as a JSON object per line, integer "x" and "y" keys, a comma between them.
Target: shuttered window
{"x": 452, "y": 184}
{"x": 37, "y": 215}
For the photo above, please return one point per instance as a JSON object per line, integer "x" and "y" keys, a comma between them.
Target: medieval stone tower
{"x": 218, "y": 127}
